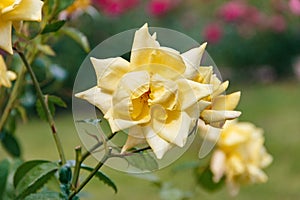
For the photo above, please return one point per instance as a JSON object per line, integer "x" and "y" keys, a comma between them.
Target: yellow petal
{"x": 163, "y": 92}
{"x": 143, "y": 39}
{"x": 192, "y": 59}
{"x": 5, "y": 35}
{"x": 205, "y": 75}
{"x": 110, "y": 71}
{"x": 146, "y": 50}
{"x": 126, "y": 112}
{"x": 218, "y": 89}
{"x": 176, "y": 128}
{"x": 6, "y": 76}
{"x": 97, "y": 97}
{"x": 218, "y": 165}
{"x": 157, "y": 144}
{"x": 210, "y": 116}
{"x": 28, "y": 10}
{"x": 135, "y": 137}
{"x": 190, "y": 92}
{"x": 257, "y": 175}
{"x": 226, "y": 102}
{"x": 11, "y": 75}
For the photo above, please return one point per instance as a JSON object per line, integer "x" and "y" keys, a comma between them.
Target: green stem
{"x": 77, "y": 167}
{"x": 91, "y": 175}
{"x": 12, "y": 98}
{"x": 96, "y": 146}
{"x": 44, "y": 106}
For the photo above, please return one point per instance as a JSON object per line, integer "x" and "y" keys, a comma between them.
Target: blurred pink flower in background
{"x": 277, "y": 23}
{"x": 233, "y": 11}
{"x": 161, "y": 7}
{"x": 295, "y": 6}
{"x": 116, "y": 7}
{"x": 212, "y": 33}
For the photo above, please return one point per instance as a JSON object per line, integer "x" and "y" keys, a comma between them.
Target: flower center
{"x": 141, "y": 107}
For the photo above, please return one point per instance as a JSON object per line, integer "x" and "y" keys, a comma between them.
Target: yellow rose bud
{"x": 240, "y": 156}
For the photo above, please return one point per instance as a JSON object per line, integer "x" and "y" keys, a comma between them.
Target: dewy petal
{"x": 218, "y": 165}
{"x": 210, "y": 116}
{"x": 97, "y": 97}
{"x": 28, "y": 10}
{"x": 110, "y": 71}
{"x": 135, "y": 137}
{"x": 191, "y": 92}
{"x": 5, "y": 35}
{"x": 192, "y": 60}
{"x": 176, "y": 128}
{"x": 157, "y": 144}
{"x": 226, "y": 102}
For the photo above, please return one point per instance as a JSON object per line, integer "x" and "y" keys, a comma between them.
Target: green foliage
{"x": 10, "y": 143}
{"x": 53, "y": 27}
{"x": 63, "y": 5}
{"x": 142, "y": 160}
{"x": 45, "y": 195}
{"x": 78, "y": 37}
{"x": 187, "y": 165}
{"x": 24, "y": 168}
{"x": 102, "y": 177}
{"x": 35, "y": 178}
{"x": 169, "y": 192}
{"x": 204, "y": 179}
{"x": 4, "y": 172}
{"x": 51, "y": 101}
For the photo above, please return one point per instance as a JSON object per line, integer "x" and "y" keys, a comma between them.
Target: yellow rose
{"x": 5, "y": 76}
{"x": 149, "y": 95}
{"x": 240, "y": 156}
{"x": 219, "y": 107}
{"x": 12, "y": 12}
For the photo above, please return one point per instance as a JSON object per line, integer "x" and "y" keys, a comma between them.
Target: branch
{"x": 92, "y": 174}
{"x": 44, "y": 106}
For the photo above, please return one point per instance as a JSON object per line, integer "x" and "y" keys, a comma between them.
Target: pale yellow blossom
{"x": 218, "y": 106}
{"x": 5, "y": 76}
{"x": 240, "y": 156}
{"x": 148, "y": 95}
{"x": 12, "y": 12}
{"x": 76, "y": 9}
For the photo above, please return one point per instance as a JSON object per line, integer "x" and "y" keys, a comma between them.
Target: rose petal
{"x": 226, "y": 102}
{"x": 135, "y": 137}
{"x": 163, "y": 92}
{"x": 218, "y": 165}
{"x": 210, "y": 116}
{"x": 192, "y": 59}
{"x": 176, "y": 128}
{"x": 157, "y": 144}
{"x": 5, "y": 35}
{"x": 28, "y": 10}
{"x": 218, "y": 88}
{"x": 190, "y": 92}
{"x": 110, "y": 71}
{"x": 97, "y": 97}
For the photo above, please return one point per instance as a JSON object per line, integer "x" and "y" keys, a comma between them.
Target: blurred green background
{"x": 255, "y": 44}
